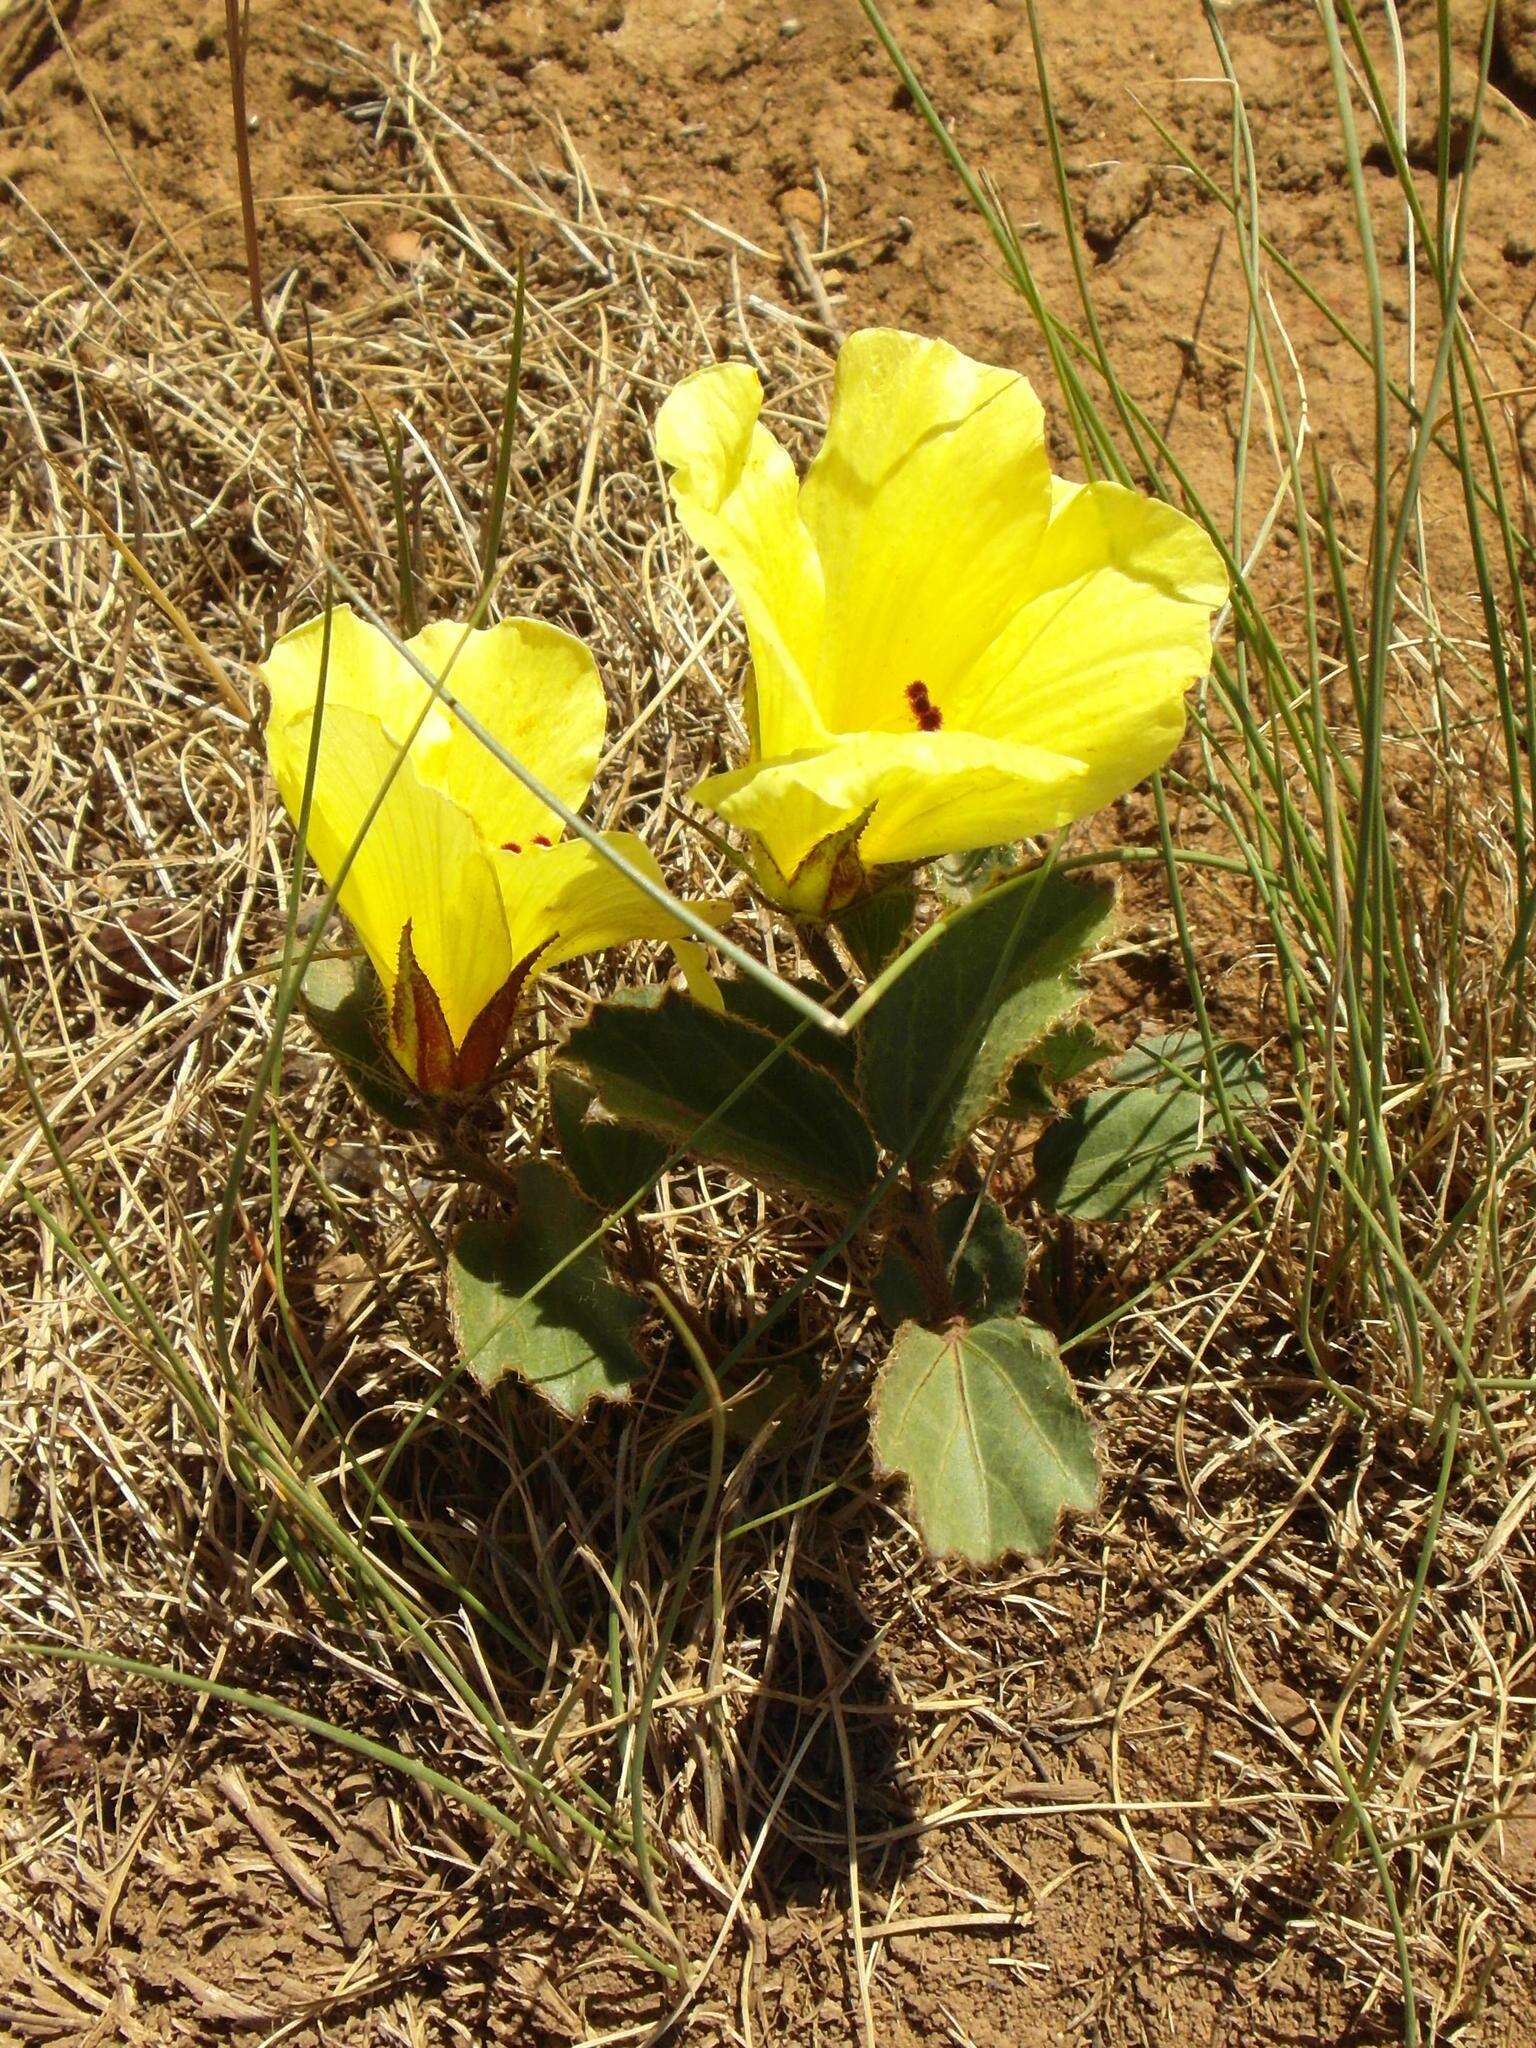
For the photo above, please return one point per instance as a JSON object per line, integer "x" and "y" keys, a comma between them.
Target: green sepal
{"x": 875, "y": 928}
{"x": 344, "y": 1004}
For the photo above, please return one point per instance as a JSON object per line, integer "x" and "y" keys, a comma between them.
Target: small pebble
{"x": 1288, "y": 1709}
{"x": 801, "y": 205}
{"x": 402, "y": 246}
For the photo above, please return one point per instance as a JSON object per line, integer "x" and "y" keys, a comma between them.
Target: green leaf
{"x": 689, "y": 1075}
{"x": 961, "y": 877}
{"x": 1178, "y": 1058}
{"x": 874, "y": 928}
{"x": 609, "y": 1162}
{"x": 1116, "y": 1150}
{"x": 986, "y": 1428}
{"x": 772, "y": 1394}
{"x": 755, "y": 1004}
{"x": 937, "y": 1050}
{"x": 345, "y": 1008}
{"x": 983, "y": 1255}
{"x": 1060, "y": 1056}
{"x": 901, "y": 1294}
{"x": 1068, "y": 1051}
{"x": 1026, "y": 1097}
{"x": 573, "y": 1339}
{"x": 1120, "y": 1145}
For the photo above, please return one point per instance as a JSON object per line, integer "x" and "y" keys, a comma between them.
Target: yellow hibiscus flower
{"x": 950, "y": 648}
{"x": 461, "y": 889}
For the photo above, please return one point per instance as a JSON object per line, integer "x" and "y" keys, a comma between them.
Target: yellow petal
{"x": 697, "y": 979}
{"x": 927, "y": 503}
{"x": 365, "y": 673}
{"x": 537, "y": 691}
{"x": 1113, "y": 628}
{"x": 564, "y": 900}
{"x": 736, "y": 495}
{"x": 420, "y": 859}
{"x": 534, "y": 688}
{"x": 927, "y": 794}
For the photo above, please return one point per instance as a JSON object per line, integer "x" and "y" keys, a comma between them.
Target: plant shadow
{"x": 820, "y": 1779}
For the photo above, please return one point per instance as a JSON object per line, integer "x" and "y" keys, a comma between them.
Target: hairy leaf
{"x": 1178, "y": 1059}
{"x": 609, "y": 1162}
{"x": 754, "y": 1004}
{"x": 986, "y": 1428}
{"x": 1060, "y": 1056}
{"x": 728, "y": 1091}
{"x": 984, "y": 1259}
{"x": 569, "y": 1333}
{"x": 1118, "y": 1147}
{"x": 937, "y": 1050}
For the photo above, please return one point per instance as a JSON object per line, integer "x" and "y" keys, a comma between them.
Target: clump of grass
{"x": 203, "y": 1190}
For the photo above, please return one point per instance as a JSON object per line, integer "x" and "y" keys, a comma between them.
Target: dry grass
{"x": 1111, "y": 1791}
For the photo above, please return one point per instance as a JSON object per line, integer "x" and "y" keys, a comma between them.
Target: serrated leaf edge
{"x": 677, "y": 998}
{"x": 619, "y": 1399}
{"x": 1170, "y": 1084}
{"x": 900, "y": 1474}
{"x": 1072, "y": 980}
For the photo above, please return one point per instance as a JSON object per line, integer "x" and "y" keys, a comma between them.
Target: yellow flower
{"x": 461, "y": 888}
{"x": 951, "y": 648}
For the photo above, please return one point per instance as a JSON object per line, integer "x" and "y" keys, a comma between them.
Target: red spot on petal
{"x": 928, "y": 715}
{"x": 510, "y": 846}
{"x": 540, "y": 840}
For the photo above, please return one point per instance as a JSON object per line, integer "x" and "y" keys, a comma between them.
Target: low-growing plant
{"x": 953, "y": 652}
{"x": 261, "y": 1331}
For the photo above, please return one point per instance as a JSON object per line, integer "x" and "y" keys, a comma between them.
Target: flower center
{"x": 928, "y": 715}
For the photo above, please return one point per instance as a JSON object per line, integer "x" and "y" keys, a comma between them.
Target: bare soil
{"x": 1089, "y": 1801}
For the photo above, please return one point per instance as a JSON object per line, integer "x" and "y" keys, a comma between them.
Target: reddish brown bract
{"x": 422, "y": 1042}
